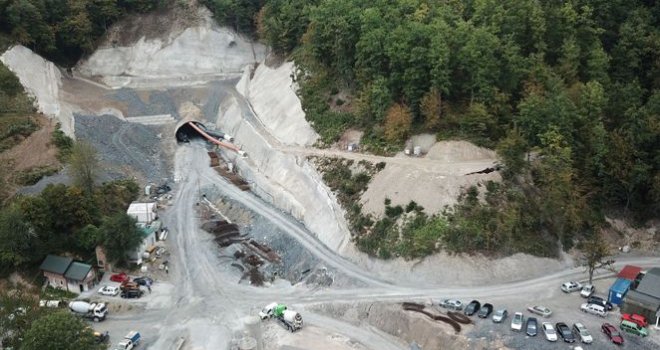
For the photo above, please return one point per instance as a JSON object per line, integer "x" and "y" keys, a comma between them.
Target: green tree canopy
{"x": 60, "y": 330}
{"x": 120, "y": 236}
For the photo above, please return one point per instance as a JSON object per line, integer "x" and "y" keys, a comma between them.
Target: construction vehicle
{"x": 92, "y": 311}
{"x": 290, "y": 319}
{"x": 101, "y": 337}
{"x": 130, "y": 341}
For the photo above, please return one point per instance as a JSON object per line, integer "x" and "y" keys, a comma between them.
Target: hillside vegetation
{"x": 566, "y": 91}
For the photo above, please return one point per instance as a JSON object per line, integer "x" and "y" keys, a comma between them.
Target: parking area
{"x": 565, "y": 308}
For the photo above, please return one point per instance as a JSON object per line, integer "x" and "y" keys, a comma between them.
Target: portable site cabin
{"x": 144, "y": 213}
{"x": 618, "y": 291}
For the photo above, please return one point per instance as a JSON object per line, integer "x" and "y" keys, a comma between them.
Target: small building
{"x": 629, "y": 272}
{"x": 144, "y": 213}
{"x": 64, "y": 273}
{"x": 148, "y": 241}
{"x": 645, "y": 298}
{"x": 618, "y": 291}
{"x": 80, "y": 277}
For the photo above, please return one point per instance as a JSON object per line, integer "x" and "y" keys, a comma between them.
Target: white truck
{"x": 130, "y": 341}
{"x": 92, "y": 311}
{"x": 290, "y": 319}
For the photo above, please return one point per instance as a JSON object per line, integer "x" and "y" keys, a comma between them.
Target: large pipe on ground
{"x": 200, "y": 129}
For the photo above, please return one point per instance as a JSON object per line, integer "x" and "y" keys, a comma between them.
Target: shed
{"x": 55, "y": 264}
{"x": 639, "y": 303}
{"x": 650, "y": 283}
{"x": 143, "y": 212}
{"x": 80, "y": 277}
{"x": 618, "y": 290}
{"x": 629, "y": 272}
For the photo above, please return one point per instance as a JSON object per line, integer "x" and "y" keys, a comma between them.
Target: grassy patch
{"x": 51, "y": 293}
{"x": 15, "y": 128}
{"x": 63, "y": 143}
{"x": 33, "y": 175}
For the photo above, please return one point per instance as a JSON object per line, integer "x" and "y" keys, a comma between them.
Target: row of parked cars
{"x": 551, "y": 331}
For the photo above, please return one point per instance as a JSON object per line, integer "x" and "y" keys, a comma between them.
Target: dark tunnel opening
{"x": 185, "y": 133}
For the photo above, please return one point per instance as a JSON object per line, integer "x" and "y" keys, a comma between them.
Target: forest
{"x": 566, "y": 91}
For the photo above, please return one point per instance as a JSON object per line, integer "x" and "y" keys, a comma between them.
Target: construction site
{"x": 251, "y": 220}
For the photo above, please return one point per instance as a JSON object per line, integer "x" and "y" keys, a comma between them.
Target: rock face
{"x": 288, "y": 182}
{"x": 42, "y": 80}
{"x": 202, "y": 51}
{"x": 272, "y": 94}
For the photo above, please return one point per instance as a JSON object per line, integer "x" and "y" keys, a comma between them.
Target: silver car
{"x": 517, "y": 321}
{"x": 452, "y": 304}
{"x": 500, "y": 315}
{"x": 583, "y": 333}
{"x": 549, "y": 331}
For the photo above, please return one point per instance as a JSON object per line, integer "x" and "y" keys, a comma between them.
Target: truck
{"x": 92, "y": 311}
{"x": 130, "y": 341}
{"x": 290, "y": 319}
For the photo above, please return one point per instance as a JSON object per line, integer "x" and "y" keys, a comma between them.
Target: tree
{"x": 17, "y": 238}
{"x": 431, "y": 108}
{"x": 595, "y": 255}
{"x": 512, "y": 150}
{"x": 120, "y": 237}
{"x": 83, "y": 165}
{"x": 397, "y": 123}
{"x": 19, "y": 309}
{"x": 60, "y": 330}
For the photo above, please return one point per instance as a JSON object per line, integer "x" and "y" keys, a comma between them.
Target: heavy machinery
{"x": 93, "y": 311}
{"x": 290, "y": 319}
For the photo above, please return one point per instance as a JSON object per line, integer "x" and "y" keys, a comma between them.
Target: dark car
{"x": 532, "y": 327}
{"x": 485, "y": 311}
{"x": 472, "y": 308}
{"x": 565, "y": 332}
{"x": 143, "y": 281}
{"x": 131, "y": 293}
{"x": 612, "y": 333}
{"x": 600, "y": 301}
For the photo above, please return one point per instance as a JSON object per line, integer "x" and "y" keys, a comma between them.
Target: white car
{"x": 540, "y": 310}
{"x": 549, "y": 331}
{"x": 571, "y": 286}
{"x": 109, "y": 290}
{"x": 587, "y": 291}
{"x": 517, "y": 321}
{"x": 583, "y": 333}
{"x": 452, "y": 304}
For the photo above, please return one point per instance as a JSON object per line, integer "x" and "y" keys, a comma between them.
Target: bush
{"x": 63, "y": 143}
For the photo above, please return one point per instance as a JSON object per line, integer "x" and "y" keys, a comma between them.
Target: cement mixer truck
{"x": 92, "y": 311}
{"x": 290, "y": 319}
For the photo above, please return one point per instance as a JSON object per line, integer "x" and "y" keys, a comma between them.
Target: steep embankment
{"x": 136, "y": 57}
{"x": 42, "y": 80}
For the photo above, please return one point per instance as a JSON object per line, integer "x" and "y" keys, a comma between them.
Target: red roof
{"x": 629, "y": 272}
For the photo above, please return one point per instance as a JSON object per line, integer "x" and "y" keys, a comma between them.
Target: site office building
{"x": 146, "y": 216}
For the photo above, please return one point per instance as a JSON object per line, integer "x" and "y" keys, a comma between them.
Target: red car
{"x": 612, "y": 333}
{"x": 635, "y": 318}
{"x": 119, "y": 277}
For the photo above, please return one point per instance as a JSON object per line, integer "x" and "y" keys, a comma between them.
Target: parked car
{"x": 472, "y": 308}
{"x": 500, "y": 315}
{"x": 540, "y": 310}
{"x": 583, "y": 333}
{"x": 594, "y": 309}
{"x": 549, "y": 331}
{"x": 633, "y": 328}
{"x": 131, "y": 293}
{"x": 532, "y": 326}
{"x": 571, "y": 286}
{"x": 517, "y": 321}
{"x": 119, "y": 277}
{"x": 612, "y": 333}
{"x": 565, "y": 332}
{"x": 639, "y": 319}
{"x": 485, "y": 310}
{"x": 452, "y": 304}
{"x": 143, "y": 281}
{"x": 109, "y": 290}
{"x": 587, "y": 291}
{"x": 600, "y": 301}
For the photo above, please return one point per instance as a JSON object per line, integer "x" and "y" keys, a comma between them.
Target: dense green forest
{"x": 64, "y": 30}
{"x": 567, "y": 91}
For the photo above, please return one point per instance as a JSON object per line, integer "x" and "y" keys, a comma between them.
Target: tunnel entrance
{"x": 186, "y": 132}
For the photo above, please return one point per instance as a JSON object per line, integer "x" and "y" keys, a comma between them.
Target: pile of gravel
{"x": 122, "y": 145}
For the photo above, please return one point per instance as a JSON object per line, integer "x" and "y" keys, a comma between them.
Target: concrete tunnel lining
{"x": 189, "y": 128}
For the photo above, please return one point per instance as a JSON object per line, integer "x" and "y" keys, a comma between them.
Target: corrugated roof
{"x": 55, "y": 264}
{"x": 621, "y": 285}
{"x": 642, "y": 299}
{"x": 147, "y": 230}
{"x": 629, "y": 272}
{"x": 650, "y": 284}
{"x": 77, "y": 271}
